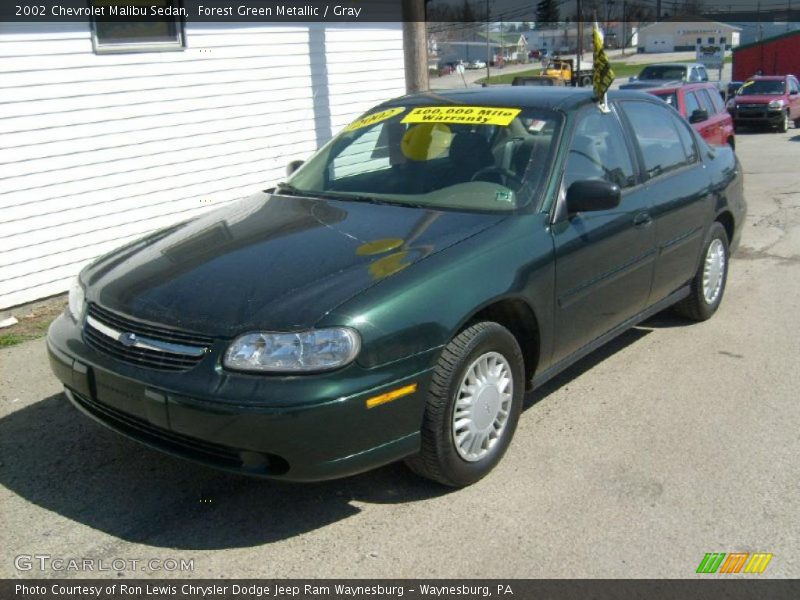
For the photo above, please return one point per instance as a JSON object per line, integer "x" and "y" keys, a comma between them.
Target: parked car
{"x": 477, "y": 64}
{"x": 666, "y": 75}
{"x": 396, "y": 296}
{"x": 772, "y": 101}
{"x": 703, "y": 107}
{"x": 534, "y": 54}
{"x": 732, "y": 88}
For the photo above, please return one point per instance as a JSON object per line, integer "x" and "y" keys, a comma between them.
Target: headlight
{"x": 776, "y": 104}
{"x": 76, "y": 300}
{"x": 316, "y": 350}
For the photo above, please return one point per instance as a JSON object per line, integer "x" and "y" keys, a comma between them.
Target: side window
{"x": 687, "y": 138}
{"x": 716, "y": 100}
{"x": 794, "y": 86}
{"x": 705, "y": 102}
{"x": 690, "y": 100}
{"x": 659, "y": 140}
{"x": 703, "y": 74}
{"x": 598, "y": 151}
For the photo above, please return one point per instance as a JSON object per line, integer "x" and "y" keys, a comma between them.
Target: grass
{"x": 34, "y": 320}
{"x": 622, "y": 70}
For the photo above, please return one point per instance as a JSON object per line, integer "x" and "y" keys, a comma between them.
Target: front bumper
{"x": 300, "y": 428}
{"x": 757, "y": 115}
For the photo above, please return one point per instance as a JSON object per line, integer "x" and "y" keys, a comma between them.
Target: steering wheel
{"x": 505, "y": 174}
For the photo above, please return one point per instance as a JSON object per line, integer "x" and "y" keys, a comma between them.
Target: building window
{"x": 152, "y": 35}
{"x": 722, "y": 40}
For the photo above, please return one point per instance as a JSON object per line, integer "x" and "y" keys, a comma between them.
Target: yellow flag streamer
{"x": 602, "y": 75}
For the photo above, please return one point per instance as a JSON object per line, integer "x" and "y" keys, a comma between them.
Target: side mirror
{"x": 698, "y": 115}
{"x": 293, "y": 166}
{"x": 592, "y": 194}
{"x": 632, "y": 78}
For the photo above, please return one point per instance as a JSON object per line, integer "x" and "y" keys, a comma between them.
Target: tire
{"x": 700, "y": 304}
{"x": 783, "y": 126}
{"x": 441, "y": 457}
{"x": 586, "y": 81}
{"x": 732, "y": 143}
{"x": 797, "y": 123}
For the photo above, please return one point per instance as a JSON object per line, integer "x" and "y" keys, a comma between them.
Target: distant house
{"x": 472, "y": 45}
{"x": 112, "y": 131}
{"x": 679, "y": 36}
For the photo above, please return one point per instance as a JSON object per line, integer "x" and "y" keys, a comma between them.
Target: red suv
{"x": 767, "y": 100}
{"x": 702, "y": 105}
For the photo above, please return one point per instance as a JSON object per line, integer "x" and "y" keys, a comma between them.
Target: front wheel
{"x": 473, "y": 406}
{"x": 783, "y": 127}
{"x": 708, "y": 284}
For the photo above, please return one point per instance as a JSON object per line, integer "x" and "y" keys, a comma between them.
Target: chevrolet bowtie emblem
{"x": 127, "y": 338}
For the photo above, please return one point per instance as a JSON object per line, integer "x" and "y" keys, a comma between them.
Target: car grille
{"x": 751, "y": 110}
{"x": 169, "y": 440}
{"x": 155, "y": 347}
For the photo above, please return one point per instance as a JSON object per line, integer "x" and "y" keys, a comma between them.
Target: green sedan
{"x": 397, "y": 295}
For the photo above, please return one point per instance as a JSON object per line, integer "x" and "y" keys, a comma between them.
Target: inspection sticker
{"x": 374, "y": 118}
{"x": 465, "y": 115}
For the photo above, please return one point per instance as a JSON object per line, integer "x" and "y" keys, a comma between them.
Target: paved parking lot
{"x": 676, "y": 440}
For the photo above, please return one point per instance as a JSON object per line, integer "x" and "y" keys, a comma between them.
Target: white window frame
{"x": 176, "y": 45}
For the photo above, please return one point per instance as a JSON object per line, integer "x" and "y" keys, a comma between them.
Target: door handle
{"x": 642, "y": 219}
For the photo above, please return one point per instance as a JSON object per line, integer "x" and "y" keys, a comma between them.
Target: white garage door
{"x": 660, "y": 43}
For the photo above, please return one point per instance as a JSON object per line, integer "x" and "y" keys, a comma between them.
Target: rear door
{"x": 713, "y": 124}
{"x": 679, "y": 188}
{"x": 604, "y": 258}
{"x": 706, "y": 127}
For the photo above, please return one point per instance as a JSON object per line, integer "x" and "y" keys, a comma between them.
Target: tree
{"x": 547, "y": 13}
{"x": 524, "y": 27}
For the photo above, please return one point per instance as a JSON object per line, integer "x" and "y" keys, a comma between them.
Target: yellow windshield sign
{"x": 463, "y": 115}
{"x": 374, "y": 118}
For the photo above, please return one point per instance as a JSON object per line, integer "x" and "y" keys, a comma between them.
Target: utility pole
{"x": 488, "y": 42}
{"x": 658, "y": 10}
{"x": 624, "y": 33}
{"x": 579, "y": 53}
{"x": 415, "y": 45}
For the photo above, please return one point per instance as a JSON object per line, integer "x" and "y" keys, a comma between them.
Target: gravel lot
{"x": 676, "y": 440}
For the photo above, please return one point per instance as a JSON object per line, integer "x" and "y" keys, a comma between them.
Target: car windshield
{"x": 439, "y": 156}
{"x": 761, "y": 86}
{"x": 663, "y": 72}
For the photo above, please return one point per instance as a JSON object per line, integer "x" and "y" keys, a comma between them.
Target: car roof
{"x": 699, "y": 85}
{"x": 674, "y": 64}
{"x": 547, "y": 97}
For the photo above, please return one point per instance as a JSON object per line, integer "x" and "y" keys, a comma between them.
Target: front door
{"x": 605, "y": 258}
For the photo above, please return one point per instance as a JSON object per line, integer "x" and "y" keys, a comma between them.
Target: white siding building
{"x": 99, "y": 148}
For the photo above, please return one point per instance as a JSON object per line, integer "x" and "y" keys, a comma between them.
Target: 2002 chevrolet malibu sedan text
{"x": 397, "y": 295}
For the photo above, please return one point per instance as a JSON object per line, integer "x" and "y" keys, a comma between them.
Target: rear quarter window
{"x": 664, "y": 147}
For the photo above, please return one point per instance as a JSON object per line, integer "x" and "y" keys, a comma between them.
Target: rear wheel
{"x": 473, "y": 406}
{"x": 586, "y": 81}
{"x": 797, "y": 123}
{"x": 708, "y": 284}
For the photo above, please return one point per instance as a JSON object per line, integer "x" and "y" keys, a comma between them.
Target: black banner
{"x": 734, "y": 588}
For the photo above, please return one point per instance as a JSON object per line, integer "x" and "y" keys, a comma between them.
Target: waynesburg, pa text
{"x": 255, "y": 590}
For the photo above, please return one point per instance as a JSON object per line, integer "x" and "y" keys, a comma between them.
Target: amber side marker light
{"x": 393, "y": 395}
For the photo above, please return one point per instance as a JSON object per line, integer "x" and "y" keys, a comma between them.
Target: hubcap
{"x": 483, "y": 404}
{"x": 713, "y": 271}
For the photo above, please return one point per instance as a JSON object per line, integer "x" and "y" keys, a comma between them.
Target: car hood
{"x": 269, "y": 262}
{"x": 650, "y": 83}
{"x": 759, "y": 98}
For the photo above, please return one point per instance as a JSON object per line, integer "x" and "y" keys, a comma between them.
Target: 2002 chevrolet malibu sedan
{"x": 395, "y": 297}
